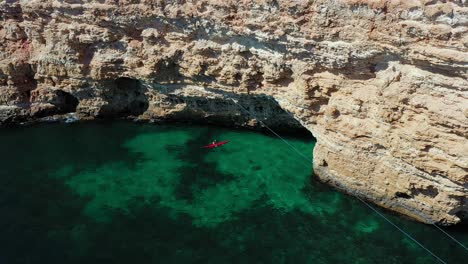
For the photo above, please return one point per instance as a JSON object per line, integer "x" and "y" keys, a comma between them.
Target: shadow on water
{"x": 200, "y": 173}
{"x": 92, "y": 144}
{"x": 155, "y": 235}
{"x": 149, "y": 234}
{"x": 38, "y": 211}
{"x": 37, "y": 215}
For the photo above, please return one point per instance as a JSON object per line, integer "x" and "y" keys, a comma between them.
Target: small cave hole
{"x": 67, "y": 103}
{"x": 463, "y": 215}
{"x": 129, "y": 96}
{"x": 430, "y": 191}
{"x": 402, "y": 195}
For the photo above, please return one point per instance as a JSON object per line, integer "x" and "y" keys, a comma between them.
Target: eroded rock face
{"x": 382, "y": 85}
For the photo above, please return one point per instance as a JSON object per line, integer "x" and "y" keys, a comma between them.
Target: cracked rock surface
{"x": 382, "y": 85}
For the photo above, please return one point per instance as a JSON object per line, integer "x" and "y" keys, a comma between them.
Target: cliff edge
{"x": 382, "y": 85}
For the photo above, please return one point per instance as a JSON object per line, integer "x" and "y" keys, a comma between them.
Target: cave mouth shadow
{"x": 69, "y": 104}
{"x": 247, "y": 110}
{"x": 125, "y": 96}
{"x": 128, "y": 86}
{"x": 258, "y": 112}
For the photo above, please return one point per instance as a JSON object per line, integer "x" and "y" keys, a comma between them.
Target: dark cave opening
{"x": 125, "y": 96}
{"x": 67, "y": 102}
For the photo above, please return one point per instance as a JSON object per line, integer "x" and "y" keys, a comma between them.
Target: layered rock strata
{"x": 382, "y": 85}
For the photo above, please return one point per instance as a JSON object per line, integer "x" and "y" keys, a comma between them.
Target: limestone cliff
{"x": 382, "y": 85}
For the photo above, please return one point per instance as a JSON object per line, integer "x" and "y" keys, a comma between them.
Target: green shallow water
{"x": 139, "y": 193}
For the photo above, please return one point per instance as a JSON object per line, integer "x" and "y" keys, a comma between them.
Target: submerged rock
{"x": 382, "y": 85}
{"x": 71, "y": 118}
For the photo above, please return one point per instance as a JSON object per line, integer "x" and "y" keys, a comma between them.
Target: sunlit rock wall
{"x": 382, "y": 85}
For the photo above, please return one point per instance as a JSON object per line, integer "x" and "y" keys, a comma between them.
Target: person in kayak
{"x": 215, "y": 144}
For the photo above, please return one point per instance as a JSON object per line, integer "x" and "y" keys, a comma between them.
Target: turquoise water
{"x": 140, "y": 193}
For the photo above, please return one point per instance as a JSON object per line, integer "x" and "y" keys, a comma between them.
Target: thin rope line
{"x": 271, "y": 130}
{"x": 401, "y": 230}
{"x": 443, "y": 231}
{"x": 388, "y": 220}
{"x": 454, "y": 239}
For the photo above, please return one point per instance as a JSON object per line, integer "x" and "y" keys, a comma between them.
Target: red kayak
{"x": 217, "y": 144}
